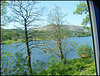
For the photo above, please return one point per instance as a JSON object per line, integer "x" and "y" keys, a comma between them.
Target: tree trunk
{"x": 59, "y": 43}
{"x": 28, "y": 51}
{"x": 61, "y": 52}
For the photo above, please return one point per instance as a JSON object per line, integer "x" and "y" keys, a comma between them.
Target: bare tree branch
{"x": 25, "y": 13}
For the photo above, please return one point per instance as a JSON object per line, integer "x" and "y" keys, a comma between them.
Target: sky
{"x": 67, "y": 7}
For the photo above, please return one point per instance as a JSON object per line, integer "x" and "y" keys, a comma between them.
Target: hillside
{"x": 64, "y": 27}
{"x": 43, "y": 33}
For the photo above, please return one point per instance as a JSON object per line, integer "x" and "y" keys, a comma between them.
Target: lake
{"x": 38, "y": 53}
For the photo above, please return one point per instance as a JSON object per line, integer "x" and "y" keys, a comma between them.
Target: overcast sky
{"x": 67, "y": 7}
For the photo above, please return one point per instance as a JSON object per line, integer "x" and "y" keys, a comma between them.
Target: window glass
{"x": 46, "y": 38}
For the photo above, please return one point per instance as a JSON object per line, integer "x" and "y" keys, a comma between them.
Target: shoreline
{"x": 21, "y": 40}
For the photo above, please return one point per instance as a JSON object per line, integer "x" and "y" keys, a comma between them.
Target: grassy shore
{"x": 11, "y": 41}
{"x": 21, "y": 40}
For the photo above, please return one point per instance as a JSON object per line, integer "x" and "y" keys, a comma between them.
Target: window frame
{"x": 95, "y": 32}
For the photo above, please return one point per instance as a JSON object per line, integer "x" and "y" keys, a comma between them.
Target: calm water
{"x": 38, "y": 53}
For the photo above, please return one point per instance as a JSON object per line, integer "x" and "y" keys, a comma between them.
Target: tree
{"x": 26, "y": 13}
{"x": 83, "y": 8}
{"x": 57, "y": 46}
{"x": 84, "y": 49}
{"x": 55, "y": 20}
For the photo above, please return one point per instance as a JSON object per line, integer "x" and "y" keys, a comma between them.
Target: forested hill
{"x": 43, "y": 32}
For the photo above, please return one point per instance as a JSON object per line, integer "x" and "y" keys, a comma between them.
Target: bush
{"x": 84, "y": 49}
{"x": 90, "y": 70}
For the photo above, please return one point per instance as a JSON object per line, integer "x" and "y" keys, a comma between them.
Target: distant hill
{"x": 64, "y": 27}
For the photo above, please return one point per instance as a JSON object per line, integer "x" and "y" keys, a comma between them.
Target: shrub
{"x": 84, "y": 49}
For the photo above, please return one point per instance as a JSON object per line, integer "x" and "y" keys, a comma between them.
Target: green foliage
{"x": 87, "y": 27}
{"x": 17, "y": 64}
{"x": 5, "y": 19}
{"x": 83, "y": 8}
{"x": 86, "y": 20}
{"x": 20, "y": 64}
{"x": 3, "y": 7}
{"x": 90, "y": 70}
{"x": 53, "y": 60}
{"x": 83, "y": 34}
{"x": 84, "y": 49}
{"x": 6, "y": 62}
{"x": 71, "y": 67}
{"x": 38, "y": 66}
{"x": 11, "y": 36}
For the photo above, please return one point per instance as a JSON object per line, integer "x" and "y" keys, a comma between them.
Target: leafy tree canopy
{"x": 82, "y": 8}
